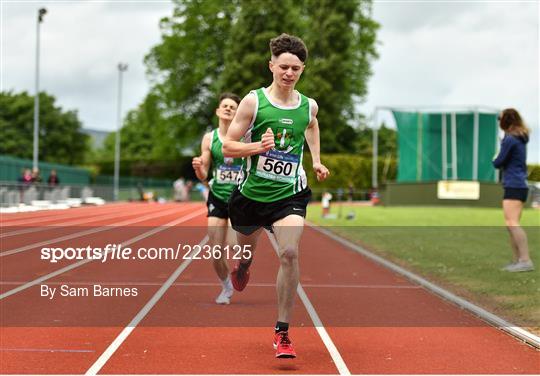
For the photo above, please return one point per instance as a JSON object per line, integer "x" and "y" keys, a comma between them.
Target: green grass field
{"x": 461, "y": 249}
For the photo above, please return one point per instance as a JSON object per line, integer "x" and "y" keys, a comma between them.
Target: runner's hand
{"x": 321, "y": 171}
{"x": 197, "y": 163}
{"x": 267, "y": 140}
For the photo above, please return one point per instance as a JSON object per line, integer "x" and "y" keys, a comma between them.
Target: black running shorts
{"x": 248, "y": 215}
{"x": 216, "y": 207}
{"x": 516, "y": 194}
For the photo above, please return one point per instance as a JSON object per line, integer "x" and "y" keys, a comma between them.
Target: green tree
{"x": 247, "y": 52}
{"x": 145, "y": 134}
{"x": 61, "y": 139}
{"x": 209, "y": 46}
{"x": 341, "y": 38}
{"x": 387, "y": 142}
{"x": 185, "y": 66}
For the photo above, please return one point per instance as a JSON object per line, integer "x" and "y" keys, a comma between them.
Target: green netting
{"x": 487, "y": 145}
{"x": 427, "y": 146}
{"x": 134, "y": 181}
{"x": 11, "y": 169}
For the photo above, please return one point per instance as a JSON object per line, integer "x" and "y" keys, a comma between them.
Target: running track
{"x": 351, "y": 316}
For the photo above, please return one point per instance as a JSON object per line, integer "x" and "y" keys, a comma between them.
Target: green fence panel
{"x": 421, "y": 141}
{"x": 487, "y": 146}
{"x": 134, "y": 181}
{"x": 11, "y": 170}
{"x": 407, "y": 124}
{"x": 431, "y": 147}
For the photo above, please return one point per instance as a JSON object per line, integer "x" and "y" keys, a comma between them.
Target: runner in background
{"x": 225, "y": 173}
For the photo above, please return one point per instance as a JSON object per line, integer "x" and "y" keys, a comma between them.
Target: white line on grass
{"x": 96, "y": 367}
{"x": 87, "y": 232}
{"x": 83, "y": 262}
{"x": 487, "y": 316}
{"x": 325, "y": 337}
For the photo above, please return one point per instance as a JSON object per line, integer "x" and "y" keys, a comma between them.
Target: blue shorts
{"x": 516, "y": 194}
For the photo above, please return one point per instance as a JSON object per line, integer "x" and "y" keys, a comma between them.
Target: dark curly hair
{"x": 288, "y": 43}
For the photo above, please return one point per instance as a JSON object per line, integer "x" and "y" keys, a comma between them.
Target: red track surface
{"x": 379, "y": 322}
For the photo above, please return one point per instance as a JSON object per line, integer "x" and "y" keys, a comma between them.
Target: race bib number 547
{"x": 228, "y": 174}
{"x": 278, "y": 166}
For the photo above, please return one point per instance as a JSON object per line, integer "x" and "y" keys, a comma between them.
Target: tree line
{"x": 211, "y": 46}
{"x": 61, "y": 139}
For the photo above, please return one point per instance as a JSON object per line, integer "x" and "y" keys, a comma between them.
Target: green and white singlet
{"x": 225, "y": 171}
{"x": 278, "y": 173}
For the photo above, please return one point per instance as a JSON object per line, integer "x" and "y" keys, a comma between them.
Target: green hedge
{"x": 149, "y": 169}
{"x": 347, "y": 168}
{"x": 534, "y": 172}
{"x": 344, "y": 168}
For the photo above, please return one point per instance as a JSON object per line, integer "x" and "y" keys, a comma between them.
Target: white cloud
{"x": 443, "y": 54}
{"x": 81, "y": 45}
{"x": 431, "y": 53}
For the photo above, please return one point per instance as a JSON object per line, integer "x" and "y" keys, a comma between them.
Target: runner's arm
{"x": 232, "y": 147}
{"x": 313, "y": 141}
{"x": 201, "y": 164}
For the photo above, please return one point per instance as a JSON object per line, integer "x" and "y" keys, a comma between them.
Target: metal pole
{"x": 475, "y": 145}
{"x": 35, "y": 154}
{"x": 454, "y": 147}
{"x": 443, "y": 149}
{"x": 374, "y": 161}
{"x": 121, "y": 68}
{"x": 419, "y": 149}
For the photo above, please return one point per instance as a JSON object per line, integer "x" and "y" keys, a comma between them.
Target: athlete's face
{"x": 286, "y": 69}
{"x": 227, "y": 109}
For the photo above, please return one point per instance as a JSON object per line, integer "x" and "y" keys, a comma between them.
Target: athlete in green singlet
{"x": 275, "y": 122}
{"x": 225, "y": 173}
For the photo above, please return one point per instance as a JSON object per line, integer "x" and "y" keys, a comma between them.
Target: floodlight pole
{"x": 121, "y": 68}
{"x": 35, "y": 154}
{"x": 374, "y": 181}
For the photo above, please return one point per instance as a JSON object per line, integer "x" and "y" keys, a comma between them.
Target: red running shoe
{"x": 283, "y": 345}
{"x": 240, "y": 276}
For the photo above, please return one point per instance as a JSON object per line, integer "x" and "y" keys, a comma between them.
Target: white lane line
{"x": 487, "y": 316}
{"x": 87, "y": 232}
{"x": 325, "y": 337}
{"x": 96, "y": 367}
{"x": 83, "y": 262}
{"x": 53, "y": 226}
{"x": 46, "y": 350}
{"x": 54, "y": 215}
{"x": 214, "y": 284}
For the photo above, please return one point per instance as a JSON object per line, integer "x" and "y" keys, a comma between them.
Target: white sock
{"x": 227, "y": 284}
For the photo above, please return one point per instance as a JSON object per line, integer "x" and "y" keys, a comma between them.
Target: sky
{"x": 432, "y": 53}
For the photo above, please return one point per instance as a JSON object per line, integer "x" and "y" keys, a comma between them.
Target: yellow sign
{"x": 458, "y": 190}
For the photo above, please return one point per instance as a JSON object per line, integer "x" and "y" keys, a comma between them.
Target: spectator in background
{"x": 36, "y": 178}
{"x": 179, "y": 186}
{"x": 512, "y": 160}
{"x": 325, "y": 203}
{"x": 187, "y": 189}
{"x": 350, "y": 192}
{"x": 53, "y": 179}
{"x": 24, "y": 182}
{"x": 26, "y": 177}
{"x": 202, "y": 189}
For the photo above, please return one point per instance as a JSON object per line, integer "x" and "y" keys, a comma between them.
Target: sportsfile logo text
{"x": 119, "y": 252}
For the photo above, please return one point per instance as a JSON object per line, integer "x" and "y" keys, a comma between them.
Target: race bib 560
{"x": 278, "y": 166}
